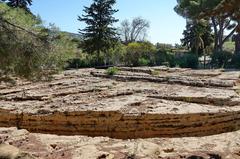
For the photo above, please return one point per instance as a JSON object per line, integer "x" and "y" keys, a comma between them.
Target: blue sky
{"x": 166, "y": 25}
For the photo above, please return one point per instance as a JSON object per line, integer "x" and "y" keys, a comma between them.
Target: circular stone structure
{"x": 135, "y": 103}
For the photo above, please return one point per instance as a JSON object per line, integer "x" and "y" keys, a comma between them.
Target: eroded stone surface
{"x": 11, "y": 152}
{"x": 225, "y": 146}
{"x": 81, "y": 102}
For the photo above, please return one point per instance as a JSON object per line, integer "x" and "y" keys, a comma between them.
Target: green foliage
{"x": 143, "y": 61}
{"x": 99, "y": 35}
{"x": 236, "y": 61}
{"x": 163, "y": 57}
{"x": 138, "y": 52}
{"x": 222, "y": 8}
{"x": 114, "y": 56}
{"x": 24, "y": 4}
{"x": 82, "y": 61}
{"x": 63, "y": 48}
{"x": 198, "y": 36}
{"x": 112, "y": 71}
{"x": 192, "y": 8}
{"x": 171, "y": 60}
{"x": 23, "y": 45}
{"x": 229, "y": 46}
{"x": 221, "y": 59}
{"x": 188, "y": 60}
{"x": 28, "y": 49}
{"x": 117, "y": 54}
{"x": 77, "y": 63}
{"x": 221, "y": 14}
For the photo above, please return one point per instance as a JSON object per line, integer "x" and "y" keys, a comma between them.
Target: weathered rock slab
{"x": 41, "y": 146}
{"x": 79, "y": 102}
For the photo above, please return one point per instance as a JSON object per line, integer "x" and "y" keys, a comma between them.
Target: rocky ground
{"x": 148, "y": 113}
{"x": 223, "y": 146}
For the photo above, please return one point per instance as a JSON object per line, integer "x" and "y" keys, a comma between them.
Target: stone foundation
{"x": 80, "y": 103}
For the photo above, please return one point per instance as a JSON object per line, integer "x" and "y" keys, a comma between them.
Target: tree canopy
{"x": 134, "y": 31}
{"x": 24, "y": 4}
{"x": 211, "y": 10}
{"x": 225, "y": 8}
{"x": 99, "y": 34}
{"x": 27, "y": 48}
{"x": 197, "y": 36}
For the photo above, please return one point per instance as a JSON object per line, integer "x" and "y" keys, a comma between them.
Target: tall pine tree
{"x": 99, "y": 35}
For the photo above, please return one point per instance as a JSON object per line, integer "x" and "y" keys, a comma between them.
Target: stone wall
{"x": 117, "y": 125}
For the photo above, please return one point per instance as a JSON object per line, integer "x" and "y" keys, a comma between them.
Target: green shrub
{"x": 160, "y": 57}
{"x": 221, "y": 59}
{"x": 188, "y": 60}
{"x": 143, "y": 62}
{"x": 78, "y": 63}
{"x": 139, "y": 53}
{"x": 30, "y": 50}
{"x": 112, "y": 71}
{"x": 171, "y": 60}
{"x": 74, "y": 63}
{"x": 22, "y": 53}
{"x": 236, "y": 61}
{"x": 163, "y": 57}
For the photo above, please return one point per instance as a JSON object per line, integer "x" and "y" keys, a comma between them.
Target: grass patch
{"x": 112, "y": 71}
{"x": 155, "y": 73}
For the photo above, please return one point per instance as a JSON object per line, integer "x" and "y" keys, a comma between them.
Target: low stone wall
{"x": 187, "y": 81}
{"x": 117, "y": 125}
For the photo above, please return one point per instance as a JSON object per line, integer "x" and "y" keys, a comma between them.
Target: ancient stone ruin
{"x": 147, "y": 103}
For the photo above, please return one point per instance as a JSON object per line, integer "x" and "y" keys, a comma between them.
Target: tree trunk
{"x": 219, "y": 27}
{"x": 213, "y": 19}
{"x": 220, "y": 35}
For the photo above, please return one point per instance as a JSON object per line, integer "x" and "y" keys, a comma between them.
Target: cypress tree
{"x": 99, "y": 35}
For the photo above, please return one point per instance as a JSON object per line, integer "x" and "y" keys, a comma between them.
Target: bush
{"x": 188, "y": 60}
{"x": 162, "y": 57}
{"x": 139, "y": 53}
{"x": 22, "y": 53}
{"x": 221, "y": 59}
{"x": 236, "y": 61}
{"x": 112, "y": 71}
{"x": 143, "y": 62}
{"x": 77, "y": 63}
{"x": 171, "y": 60}
{"x": 30, "y": 50}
